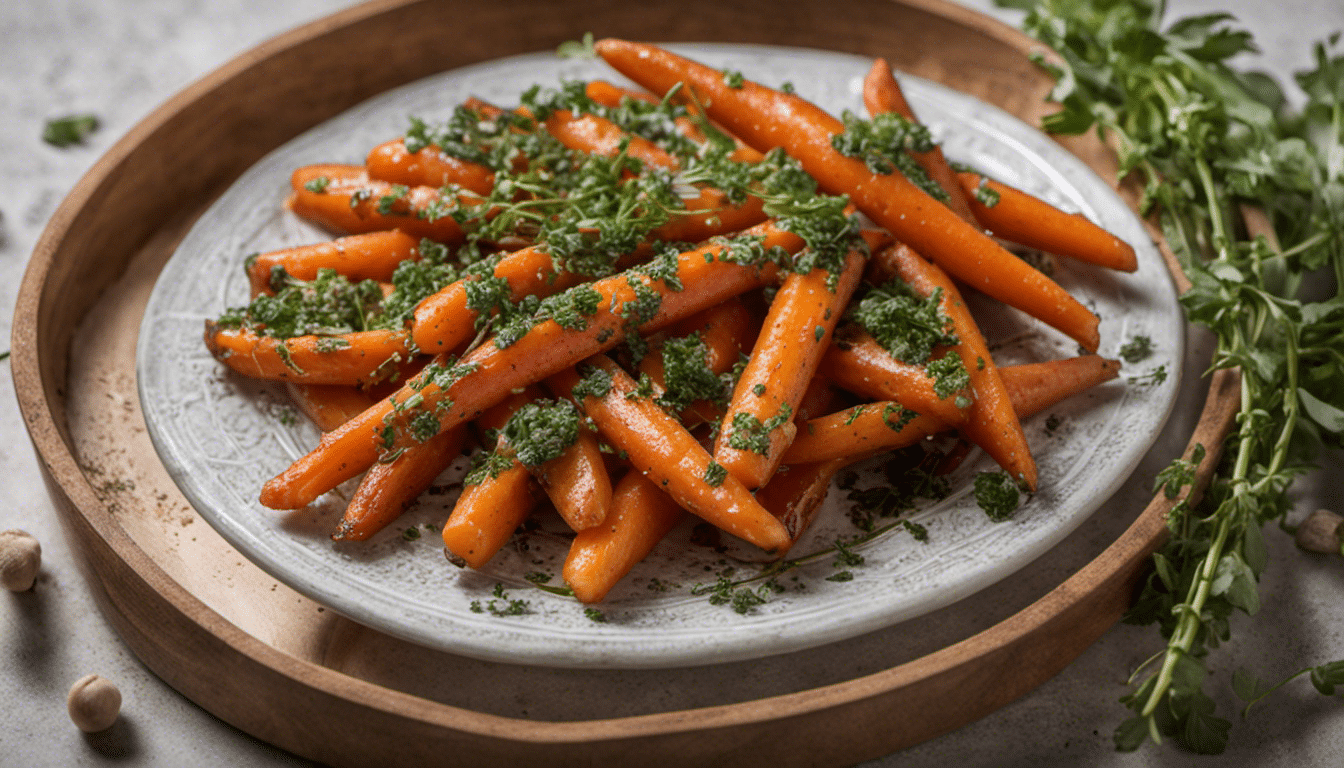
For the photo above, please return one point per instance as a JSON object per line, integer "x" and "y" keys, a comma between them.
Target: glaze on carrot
{"x": 427, "y": 167}
{"x": 657, "y": 445}
{"x": 343, "y": 198}
{"x": 882, "y": 93}
{"x": 389, "y": 489}
{"x": 489, "y": 373}
{"x": 1030, "y": 221}
{"x": 641, "y": 515}
{"x": 369, "y": 256}
{"x": 352, "y": 359}
{"x": 858, "y": 363}
{"x": 766, "y": 118}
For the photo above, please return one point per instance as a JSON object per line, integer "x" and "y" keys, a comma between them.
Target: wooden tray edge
{"x": 138, "y": 594}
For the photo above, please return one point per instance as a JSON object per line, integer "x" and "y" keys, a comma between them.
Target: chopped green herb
{"x": 1137, "y": 349}
{"x": 715, "y": 474}
{"x": 317, "y": 185}
{"x": 70, "y": 130}
{"x": 541, "y": 431}
{"x": 907, "y": 325}
{"x": 997, "y": 495}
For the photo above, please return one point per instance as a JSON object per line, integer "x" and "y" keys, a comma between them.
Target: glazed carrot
{"x": 661, "y": 448}
{"x": 858, "y": 363}
{"x": 577, "y": 482}
{"x": 490, "y": 509}
{"x": 427, "y": 167}
{"x": 486, "y": 376}
{"x": 353, "y": 359}
{"x": 329, "y": 405}
{"x": 1033, "y": 387}
{"x": 599, "y": 136}
{"x": 992, "y": 423}
{"x": 865, "y": 430}
{"x": 389, "y": 489}
{"x": 444, "y": 320}
{"x": 766, "y": 118}
{"x": 369, "y": 256}
{"x": 487, "y": 513}
{"x": 859, "y": 432}
{"x": 882, "y": 93}
{"x": 1030, "y": 221}
{"x": 795, "y": 334}
{"x": 641, "y": 515}
{"x": 609, "y": 95}
{"x": 344, "y": 199}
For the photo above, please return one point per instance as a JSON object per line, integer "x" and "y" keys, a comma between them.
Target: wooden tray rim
{"x": 114, "y": 552}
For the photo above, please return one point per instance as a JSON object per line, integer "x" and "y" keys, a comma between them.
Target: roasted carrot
{"x": 445, "y": 320}
{"x": 344, "y": 199}
{"x": 486, "y": 376}
{"x": 609, "y": 95}
{"x": 493, "y": 503}
{"x": 992, "y": 423}
{"x": 599, "y": 136}
{"x": 329, "y": 405}
{"x": 858, "y": 363}
{"x": 766, "y": 118}
{"x": 487, "y": 513}
{"x": 882, "y": 93}
{"x": 641, "y": 515}
{"x": 389, "y": 489}
{"x": 865, "y": 430}
{"x": 661, "y": 448}
{"x": 577, "y": 482}
{"x": 427, "y": 167}
{"x": 352, "y": 359}
{"x": 1033, "y": 387}
{"x": 369, "y": 256}
{"x": 758, "y": 424}
{"x": 1028, "y": 220}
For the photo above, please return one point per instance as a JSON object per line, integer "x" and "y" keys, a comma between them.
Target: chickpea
{"x": 94, "y": 703}
{"x": 20, "y": 559}
{"x": 1322, "y": 531}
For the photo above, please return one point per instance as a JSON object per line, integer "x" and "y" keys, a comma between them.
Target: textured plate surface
{"x": 222, "y": 436}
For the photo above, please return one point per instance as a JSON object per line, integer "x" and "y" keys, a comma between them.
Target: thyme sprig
{"x": 1203, "y": 139}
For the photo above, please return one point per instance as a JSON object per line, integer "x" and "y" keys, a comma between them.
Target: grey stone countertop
{"x": 121, "y": 58}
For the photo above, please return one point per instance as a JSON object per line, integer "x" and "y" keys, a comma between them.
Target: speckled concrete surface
{"x": 119, "y": 59}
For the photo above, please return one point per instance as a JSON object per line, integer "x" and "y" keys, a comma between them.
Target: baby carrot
{"x": 858, "y": 363}
{"x": 344, "y": 199}
{"x": 487, "y": 513}
{"x": 794, "y": 496}
{"x": 389, "y": 489}
{"x": 992, "y": 423}
{"x": 758, "y": 425}
{"x": 865, "y": 430}
{"x": 882, "y": 93}
{"x": 486, "y": 376}
{"x": 656, "y": 444}
{"x": 1030, "y": 221}
{"x": 354, "y": 359}
{"x": 766, "y": 118}
{"x": 445, "y": 320}
{"x": 368, "y": 256}
{"x": 641, "y": 515}
{"x": 577, "y": 482}
{"x": 427, "y": 167}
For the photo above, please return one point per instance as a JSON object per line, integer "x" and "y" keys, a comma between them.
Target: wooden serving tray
{"x": 280, "y": 667}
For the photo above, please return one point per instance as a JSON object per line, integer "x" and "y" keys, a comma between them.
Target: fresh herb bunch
{"x": 1205, "y": 139}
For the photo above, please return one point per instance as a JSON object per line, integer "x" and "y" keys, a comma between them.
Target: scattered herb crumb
{"x": 69, "y": 130}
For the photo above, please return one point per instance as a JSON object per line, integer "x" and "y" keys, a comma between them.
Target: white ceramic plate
{"x": 222, "y": 436}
